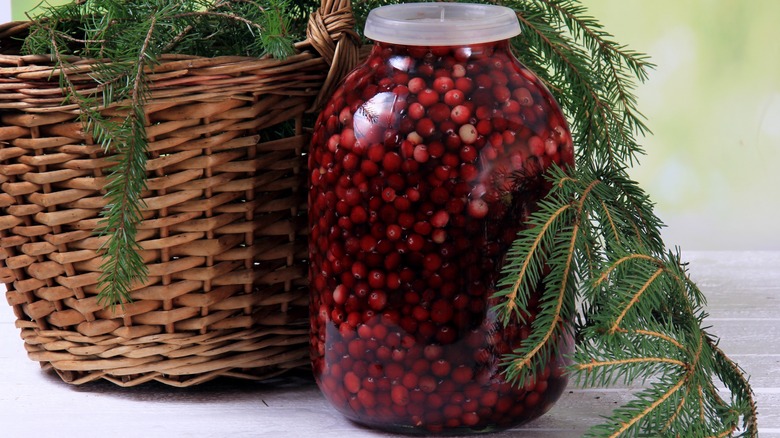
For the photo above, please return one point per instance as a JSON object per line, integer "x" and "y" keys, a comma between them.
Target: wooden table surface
{"x": 743, "y": 291}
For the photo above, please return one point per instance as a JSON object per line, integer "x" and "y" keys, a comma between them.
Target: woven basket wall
{"x": 224, "y": 217}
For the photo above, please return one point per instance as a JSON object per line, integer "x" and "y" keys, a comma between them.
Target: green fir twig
{"x": 126, "y": 39}
{"x": 640, "y": 317}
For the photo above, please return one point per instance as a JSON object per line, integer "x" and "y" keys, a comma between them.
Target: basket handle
{"x": 331, "y": 32}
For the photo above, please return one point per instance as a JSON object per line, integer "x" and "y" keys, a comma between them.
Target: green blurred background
{"x": 713, "y": 104}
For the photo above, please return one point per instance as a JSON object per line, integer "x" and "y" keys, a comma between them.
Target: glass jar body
{"x": 424, "y": 166}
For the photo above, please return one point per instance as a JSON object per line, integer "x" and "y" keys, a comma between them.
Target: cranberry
{"x": 428, "y": 97}
{"x": 454, "y": 97}
{"x": 523, "y": 96}
{"x": 440, "y": 219}
{"x": 462, "y": 375}
{"x": 394, "y": 231}
{"x": 359, "y": 270}
{"x": 501, "y": 93}
{"x": 400, "y": 395}
{"x": 416, "y": 85}
{"x": 425, "y": 127}
{"x": 340, "y": 294}
{"x": 388, "y": 194}
{"x": 377, "y": 300}
{"x": 415, "y": 242}
{"x": 478, "y": 208}
{"x": 376, "y": 279}
{"x": 536, "y": 146}
{"x": 421, "y": 154}
{"x": 440, "y": 368}
{"x": 443, "y": 84}
{"x": 468, "y": 154}
{"x": 441, "y": 311}
{"x": 352, "y": 382}
{"x": 439, "y": 112}
{"x": 392, "y": 162}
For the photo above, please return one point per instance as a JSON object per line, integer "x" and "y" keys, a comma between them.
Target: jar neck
{"x": 465, "y": 52}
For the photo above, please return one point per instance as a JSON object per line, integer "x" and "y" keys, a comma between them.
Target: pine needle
{"x": 131, "y": 36}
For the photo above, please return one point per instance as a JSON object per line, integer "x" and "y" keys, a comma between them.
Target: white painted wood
{"x": 5, "y": 11}
{"x": 743, "y": 291}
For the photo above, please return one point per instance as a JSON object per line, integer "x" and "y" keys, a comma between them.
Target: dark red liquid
{"x": 424, "y": 166}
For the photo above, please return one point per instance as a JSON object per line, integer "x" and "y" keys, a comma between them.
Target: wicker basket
{"x": 224, "y": 218}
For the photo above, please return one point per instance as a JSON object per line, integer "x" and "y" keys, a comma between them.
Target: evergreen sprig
{"x": 640, "y": 316}
{"x": 126, "y": 39}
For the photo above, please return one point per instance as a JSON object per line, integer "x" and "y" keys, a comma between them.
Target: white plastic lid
{"x": 441, "y": 24}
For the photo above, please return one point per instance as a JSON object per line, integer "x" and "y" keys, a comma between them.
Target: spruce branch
{"x": 588, "y": 30}
{"x": 123, "y": 41}
{"x": 641, "y": 315}
{"x": 122, "y": 261}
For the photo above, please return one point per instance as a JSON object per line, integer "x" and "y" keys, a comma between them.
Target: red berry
{"x": 440, "y": 219}
{"x": 359, "y": 270}
{"x": 462, "y": 374}
{"x": 432, "y": 263}
{"x": 392, "y": 162}
{"x": 427, "y": 384}
{"x": 454, "y": 97}
{"x": 416, "y": 85}
{"x": 388, "y": 194}
{"x": 484, "y": 127}
{"x": 415, "y": 242}
{"x": 376, "y": 152}
{"x": 421, "y": 154}
{"x": 439, "y": 236}
{"x": 378, "y": 299}
{"x": 460, "y": 114}
{"x": 340, "y": 294}
{"x": 440, "y": 368}
{"x": 428, "y": 97}
{"x": 409, "y": 380}
{"x": 352, "y": 382}
{"x": 478, "y": 208}
{"x": 439, "y": 112}
{"x": 423, "y": 228}
{"x": 536, "y": 146}
{"x": 416, "y": 111}
{"x": 523, "y": 96}
{"x": 366, "y": 398}
{"x": 425, "y": 127}
{"x": 470, "y": 419}
{"x": 532, "y": 399}
{"x": 550, "y": 147}
{"x": 358, "y": 215}
{"x": 464, "y": 84}
{"x": 468, "y": 134}
{"x": 501, "y": 93}
{"x": 468, "y": 154}
{"x": 376, "y": 279}
{"x": 443, "y": 84}
{"x": 350, "y": 162}
{"x": 400, "y": 395}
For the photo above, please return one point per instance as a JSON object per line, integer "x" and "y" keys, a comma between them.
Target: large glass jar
{"x": 424, "y": 165}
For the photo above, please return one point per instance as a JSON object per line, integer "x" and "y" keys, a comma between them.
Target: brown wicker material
{"x": 224, "y": 217}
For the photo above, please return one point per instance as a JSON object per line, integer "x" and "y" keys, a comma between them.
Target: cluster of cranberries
{"x": 424, "y": 166}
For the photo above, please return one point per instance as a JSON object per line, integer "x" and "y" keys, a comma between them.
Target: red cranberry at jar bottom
{"x": 409, "y": 397}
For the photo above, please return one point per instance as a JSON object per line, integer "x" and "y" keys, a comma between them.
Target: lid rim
{"x": 441, "y": 24}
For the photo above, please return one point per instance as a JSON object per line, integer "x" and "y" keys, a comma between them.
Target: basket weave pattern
{"x": 223, "y": 233}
